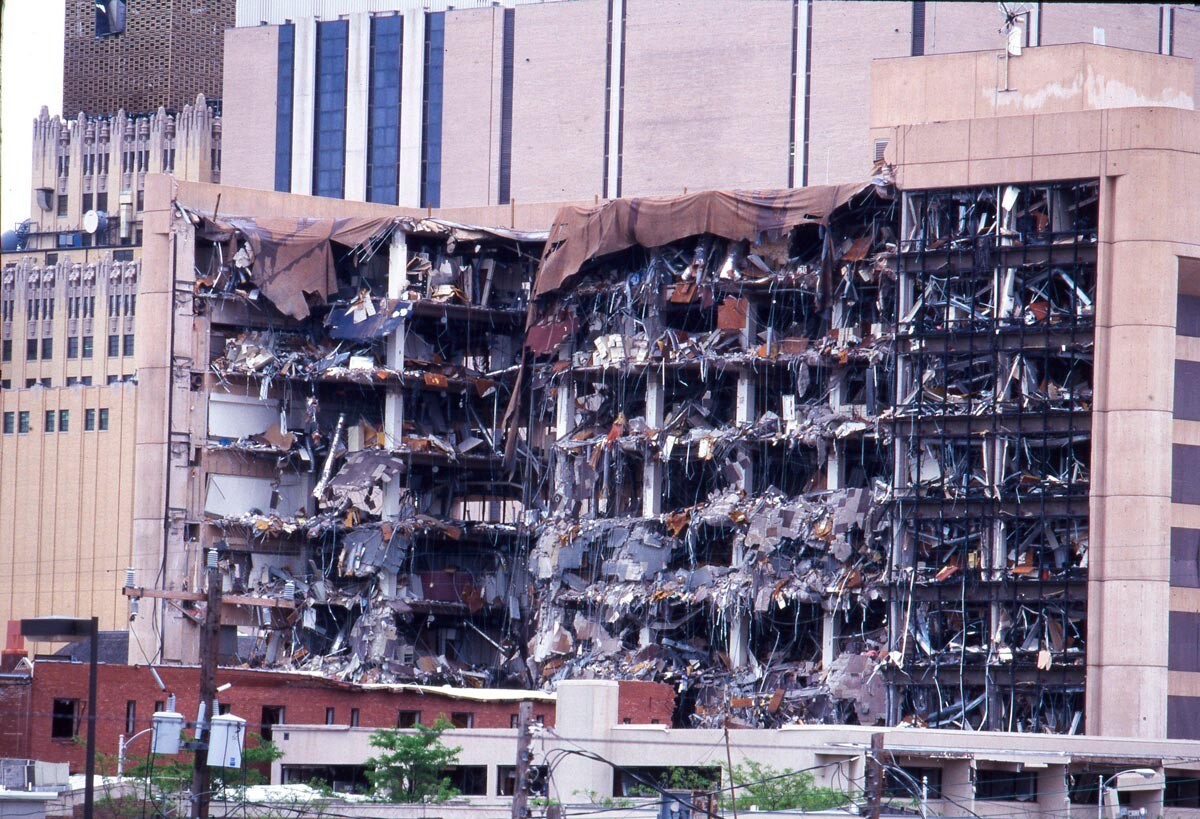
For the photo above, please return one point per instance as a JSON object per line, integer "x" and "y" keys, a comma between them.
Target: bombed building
{"x": 817, "y": 455}
{"x": 914, "y": 451}
{"x": 354, "y": 492}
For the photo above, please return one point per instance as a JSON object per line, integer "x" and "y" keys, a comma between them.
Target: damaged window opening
{"x": 1014, "y": 786}
{"x": 64, "y": 719}
{"x": 272, "y": 715}
{"x": 993, "y": 423}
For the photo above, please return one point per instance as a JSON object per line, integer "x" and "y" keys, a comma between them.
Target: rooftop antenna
{"x": 1016, "y": 23}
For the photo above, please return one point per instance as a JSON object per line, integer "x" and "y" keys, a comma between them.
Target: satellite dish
{"x": 94, "y": 221}
{"x": 1014, "y": 32}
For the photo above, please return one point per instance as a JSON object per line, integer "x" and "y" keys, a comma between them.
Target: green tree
{"x": 681, "y": 779}
{"x": 766, "y": 788}
{"x": 411, "y": 765}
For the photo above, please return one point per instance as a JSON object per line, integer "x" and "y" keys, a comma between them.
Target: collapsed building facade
{"x": 352, "y": 374}
{"x": 809, "y": 456}
{"x": 830, "y": 468}
{"x": 711, "y": 385}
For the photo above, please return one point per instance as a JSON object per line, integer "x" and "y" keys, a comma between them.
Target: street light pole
{"x": 122, "y": 744}
{"x": 89, "y": 787}
{"x": 1144, "y": 773}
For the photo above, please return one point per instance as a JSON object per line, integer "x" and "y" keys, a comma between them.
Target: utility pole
{"x": 732, "y": 784}
{"x": 520, "y": 801}
{"x": 875, "y": 777}
{"x": 210, "y": 639}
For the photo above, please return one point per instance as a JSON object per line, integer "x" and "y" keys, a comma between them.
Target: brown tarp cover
{"x": 292, "y": 256}
{"x": 580, "y": 234}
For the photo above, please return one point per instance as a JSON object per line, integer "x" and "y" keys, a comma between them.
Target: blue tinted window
{"x": 383, "y": 113}
{"x": 431, "y": 138}
{"x": 283, "y": 108}
{"x": 329, "y": 127}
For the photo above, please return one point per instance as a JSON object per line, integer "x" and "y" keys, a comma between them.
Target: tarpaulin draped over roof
{"x": 580, "y": 234}
{"x": 292, "y": 256}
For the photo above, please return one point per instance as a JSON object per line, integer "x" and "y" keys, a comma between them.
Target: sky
{"x": 31, "y": 54}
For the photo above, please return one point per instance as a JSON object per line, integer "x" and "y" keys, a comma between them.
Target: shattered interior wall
{"x": 815, "y": 455}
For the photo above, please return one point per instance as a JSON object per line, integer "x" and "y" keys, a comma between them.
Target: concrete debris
{"x": 830, "y": 471}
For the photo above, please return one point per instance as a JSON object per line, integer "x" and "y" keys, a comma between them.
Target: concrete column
{"x": 564, "y": 422}
{"x": 958, "y": 784}
{"x": 412, "y": 95}
{"x": 1131, "y": 494}
{"x": 586, "y": 713}
{"x": 358, "y": 76}
{"x": 653, "y": 473}
{"x": 564, "y": 412}
{"x": 746, "y": 411}
{"x": 616, "y": 57}
{"x": 303, "y": 102}
{"x": 393, "y": 402}
{"x": 1052, "y": 791}
{"x": 1145, "y": 793}
{"x": 829, "y": 635}
{"x": 833, "y": 466}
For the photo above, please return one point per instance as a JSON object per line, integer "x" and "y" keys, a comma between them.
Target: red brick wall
{"x": 15, "y": 691}
{"x": 641, "y": 702}
{"x": 25, "y": 711}
{"x": 303, "y": 698}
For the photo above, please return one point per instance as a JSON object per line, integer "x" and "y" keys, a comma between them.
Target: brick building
{"x": 142, "y": 56}
{"x": 43, "y": 707}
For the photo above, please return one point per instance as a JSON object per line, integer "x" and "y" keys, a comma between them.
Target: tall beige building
{"x": 70, "y": 352}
